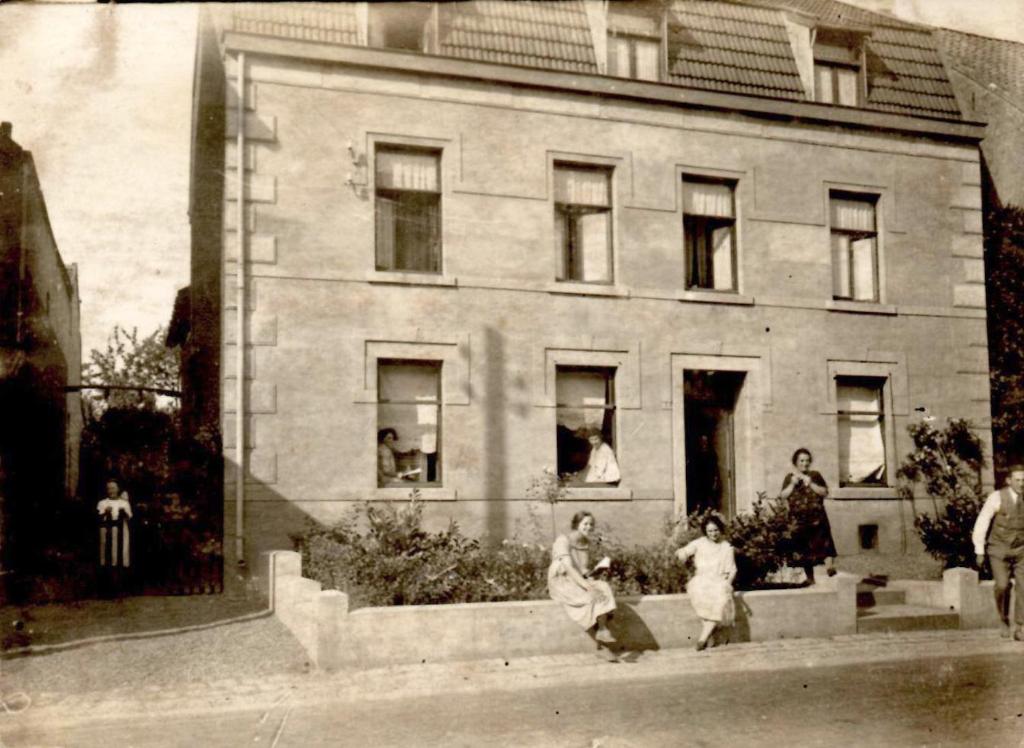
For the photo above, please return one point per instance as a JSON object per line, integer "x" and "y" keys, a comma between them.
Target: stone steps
{"x": 901, "y": 617}
{"x": 875, "y": 596}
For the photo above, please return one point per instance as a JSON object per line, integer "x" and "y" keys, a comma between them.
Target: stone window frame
{"x": 447, "y": 162}
{"x": 621, "y": 355}
{"x": 619, "y": 179}
{"x": 453, "y": 354}
{"x": 884, "y": 223}
{"x": 890, "y": 367}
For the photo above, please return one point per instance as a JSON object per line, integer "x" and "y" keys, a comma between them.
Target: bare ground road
{"x": 975, "y": 700}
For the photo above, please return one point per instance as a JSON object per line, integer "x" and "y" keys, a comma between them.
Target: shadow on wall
{"x": 495, "y": 446}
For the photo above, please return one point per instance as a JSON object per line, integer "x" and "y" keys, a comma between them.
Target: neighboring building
{"x": 711, "y": 231}
{"x": 40, "y": 357}
{"x": 988, "y": 78}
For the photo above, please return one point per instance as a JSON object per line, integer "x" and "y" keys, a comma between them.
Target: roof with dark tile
{"x": 530, "y": 33}
{"x": 733, "y": 46}
{"x": 730, "y": 47}
{"x": 315, "y": 22}
{"x": 990, "y": 62}
{"x": 906, "y": 73}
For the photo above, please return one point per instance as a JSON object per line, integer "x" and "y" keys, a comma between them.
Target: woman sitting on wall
{"x": 710, "y": 588}
{"x": 806, "y": 491}
{"x": 586, "y": 600}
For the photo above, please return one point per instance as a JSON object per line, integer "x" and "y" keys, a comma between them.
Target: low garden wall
{"x": 337, "y": 637}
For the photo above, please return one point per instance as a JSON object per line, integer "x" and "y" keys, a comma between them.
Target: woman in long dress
{"x": 805, "y": 491}
{"x": 710, "y": 588}
{"x": 587, "y": 601}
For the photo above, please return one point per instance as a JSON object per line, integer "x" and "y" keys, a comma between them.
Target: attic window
{"x": 407, "y": 26}
{"x": 634, "y": 42}
{"x": 838, "y": 67}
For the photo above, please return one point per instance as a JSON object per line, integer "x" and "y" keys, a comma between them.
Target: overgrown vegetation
{"x": 381, "y": 555}
{"x": 946, "y": 464}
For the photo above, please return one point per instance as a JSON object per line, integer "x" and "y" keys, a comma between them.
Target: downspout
{"x": 240, "y": 302}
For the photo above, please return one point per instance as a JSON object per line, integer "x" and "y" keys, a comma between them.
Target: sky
{"x": 101, "y": 96}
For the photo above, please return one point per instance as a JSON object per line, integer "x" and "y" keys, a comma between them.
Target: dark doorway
{"x": 709, "y": 407}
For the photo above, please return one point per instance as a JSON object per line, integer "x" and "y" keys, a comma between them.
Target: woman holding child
{"x": 587, "y": 601}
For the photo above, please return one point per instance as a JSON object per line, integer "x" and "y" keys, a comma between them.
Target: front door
{"x": 709, "y": 408}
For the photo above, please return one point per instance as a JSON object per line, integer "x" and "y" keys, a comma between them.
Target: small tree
{"x": 127, "y": 362}
{"x": 947, "y": 464}
{"x": 548, "y": 488}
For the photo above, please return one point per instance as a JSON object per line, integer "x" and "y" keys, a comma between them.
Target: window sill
{"x": 399, "y": 278}
{"x": 575, "y": 288}
{"x": 427, "y": 493}
{"x": 597, "y": 493}
{"x": 860, "y": 307}
{"x": 716, "y": 297}
{"x": 864, "y": 492}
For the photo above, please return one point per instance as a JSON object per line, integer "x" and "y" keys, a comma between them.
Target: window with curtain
{"x": 634, "y": 41}
{"x": 585, "y": 403}
{"x": 837, "y": 67}
{"x": 860, "y": 405}
{"x": 854, "y": 239}
{"x": 408, "y": 422}
{"x": 709, "y": 233}
{"x": 583, "y": 223}
{"x": 408, "y": 209}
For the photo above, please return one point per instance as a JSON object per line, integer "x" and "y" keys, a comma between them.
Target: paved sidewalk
{"x": 269, "y": 692}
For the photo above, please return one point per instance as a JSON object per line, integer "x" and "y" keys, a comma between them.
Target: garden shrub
{"x": 394, "y": 561}
{"x": 947, "y": 464}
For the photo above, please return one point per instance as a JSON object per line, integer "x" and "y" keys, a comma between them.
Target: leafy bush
{"x": 947, "y": 464}
{"x": 394, "y": 561}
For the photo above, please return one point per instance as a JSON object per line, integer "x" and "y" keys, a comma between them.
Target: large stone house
{"x": 40, "y": 358}
{"x": 475, "y": 234}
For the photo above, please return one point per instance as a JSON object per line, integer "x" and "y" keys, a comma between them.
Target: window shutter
{"x": 582, "y": 187}
{"x": 407, "y": 170}
{"x": 708, "y": 199}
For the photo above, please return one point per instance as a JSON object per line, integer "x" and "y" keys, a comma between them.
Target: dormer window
{"x": 406, "y": 26}
{"x": 634, "y": 42}
{"x": 838, "y": 67}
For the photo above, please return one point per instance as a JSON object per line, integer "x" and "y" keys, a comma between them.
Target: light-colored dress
{"x": 582, "y": 606}
{"x": 709, "y": 589}
{"x": 602, "y": 467}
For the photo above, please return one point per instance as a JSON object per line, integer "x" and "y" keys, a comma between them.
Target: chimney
{"x": 5, "y": 129}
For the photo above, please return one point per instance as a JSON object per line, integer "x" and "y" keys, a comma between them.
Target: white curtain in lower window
{"x": 862, "y": 253}
{"x": 593, "y": 237}
{"x": 861, "y": 449}
{"x": 721, "y": 258}
{"x": 841, "y": 266}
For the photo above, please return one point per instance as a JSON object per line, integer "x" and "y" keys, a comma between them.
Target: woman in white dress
{"x": 586, "y": 601}
{"x": 710, "y": 588}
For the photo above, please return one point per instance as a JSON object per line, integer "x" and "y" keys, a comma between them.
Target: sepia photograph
{"x": 583, "y": 373}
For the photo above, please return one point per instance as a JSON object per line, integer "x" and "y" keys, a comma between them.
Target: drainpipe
{"x": 240, "y": 302}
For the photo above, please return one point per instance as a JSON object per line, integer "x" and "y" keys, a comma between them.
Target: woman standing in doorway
{"x": 805, "y": 491}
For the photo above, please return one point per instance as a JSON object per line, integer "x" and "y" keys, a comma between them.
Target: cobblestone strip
{"x": 525, "y": 673}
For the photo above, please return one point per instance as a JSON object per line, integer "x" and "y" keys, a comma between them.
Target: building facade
{"x": 475, "y": 234}
{"x": 40, "y": 357}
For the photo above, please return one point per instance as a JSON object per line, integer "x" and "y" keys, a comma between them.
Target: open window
{"x": 585, "y": 422}
{"x": 860, "y": 411}
{"x": 839, "y": 67}
{"x": 408, "y": 423}
{"x": 583, "y": 222}
{"x": 408, "y": 209}
{"x": 854, "y": 238}
{"x": 635, "y": 40}
{"x": 709, "y": 233}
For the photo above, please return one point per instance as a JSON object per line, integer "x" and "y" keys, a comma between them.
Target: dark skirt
{"x": 812, "y": 541}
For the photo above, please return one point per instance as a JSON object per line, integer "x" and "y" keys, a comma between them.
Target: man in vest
{"x": 999, "y": 534}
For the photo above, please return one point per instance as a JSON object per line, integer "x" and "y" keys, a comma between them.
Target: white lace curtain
{"x": 407, "y": 170}
{"x": 708, "y": 199}
{"x": 582, "y": 187}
